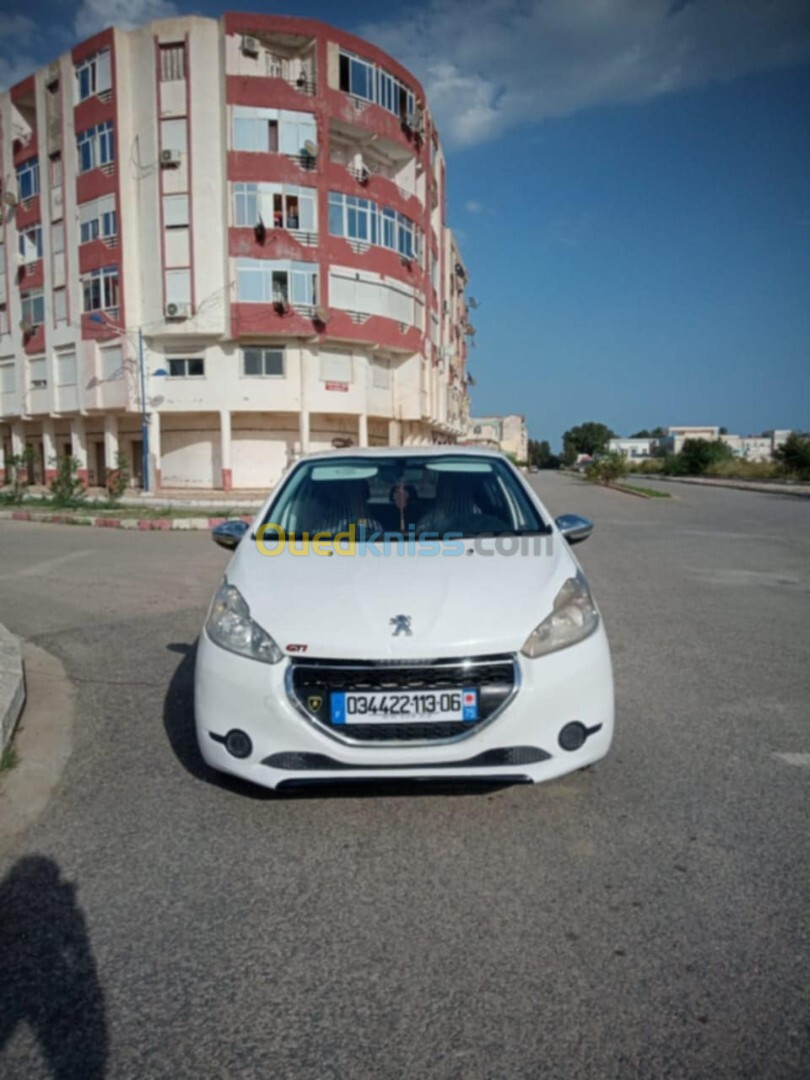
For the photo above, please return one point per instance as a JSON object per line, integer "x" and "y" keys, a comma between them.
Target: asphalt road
{"x": 643, "y": 919}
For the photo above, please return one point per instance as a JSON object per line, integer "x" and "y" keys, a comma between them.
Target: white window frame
{"x": 8, "y": 377}
{"x": 384, "y": 88}
{"x": 262, "y": 198}
{"x": 108, "y": 278}
{"x": 60, "y": 379}
{"x": 101, "y": 140}
{"x": 100, "y": 219}
{"x": 28, "y": 167}
{"x": 186, "y": 361}
{"x": 293, "y": 129}
{"x": 301, "y": 280}
{"x": 38, "y": 373}
{"x": 30, "y": 301}
{"x": 264, "y": 350}
{"x": 98, "y": 69}
{"x": 385, "y": 227}
{"x": 176, "y": 211}
{"x": 29, "y": 242}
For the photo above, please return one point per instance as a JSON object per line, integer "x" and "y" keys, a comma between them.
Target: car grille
{"x": 495, "y": 678}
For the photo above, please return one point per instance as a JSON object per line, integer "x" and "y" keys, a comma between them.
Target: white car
{"x": 403, "y": 613}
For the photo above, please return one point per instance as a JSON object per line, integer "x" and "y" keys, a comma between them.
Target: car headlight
{"x": 573, "y": 618}
{"x": 230, "y": 626}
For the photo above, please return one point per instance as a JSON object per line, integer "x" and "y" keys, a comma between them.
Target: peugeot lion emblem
{"x": 401, "y": 625}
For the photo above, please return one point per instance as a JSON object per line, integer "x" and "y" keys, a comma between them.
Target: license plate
{"x": 399, "y": 706}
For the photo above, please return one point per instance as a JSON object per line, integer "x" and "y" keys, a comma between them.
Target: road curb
{"x": 167, "y": 524}
{"x": 758, "y": 486}
{"x": 12, "y": 685}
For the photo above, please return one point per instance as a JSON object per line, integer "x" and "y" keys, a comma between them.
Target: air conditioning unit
{"x": 177, "y": 310}
{"x": 250, "y": 45}
{"x": 169, "y": 158}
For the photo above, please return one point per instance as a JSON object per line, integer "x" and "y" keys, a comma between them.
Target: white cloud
{"x": 488, "y": 65}
{"x": 95, "y": 15}
{"x": 473, "y": 206}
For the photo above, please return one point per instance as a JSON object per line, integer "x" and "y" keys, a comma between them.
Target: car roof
{"x": 405, "y": 452}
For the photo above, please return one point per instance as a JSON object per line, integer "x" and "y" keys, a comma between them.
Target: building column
{"x": 50, "y": 463}
{"x": 110, "y": 442}
{"x": 3, "y": 478}
{"x": 155, "y": 478}
{"x": 303, "y": 417}
{"x": 225, "y": 449}
{"x": 362, "y": 429}
{"x": 78, "y": 447}
{"x": 394, "y": 433}
{"x": 303, "y": 430}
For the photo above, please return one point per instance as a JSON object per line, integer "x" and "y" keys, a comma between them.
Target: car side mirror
{"x": 574, "y": 528}
{"x": 229, "y": 533}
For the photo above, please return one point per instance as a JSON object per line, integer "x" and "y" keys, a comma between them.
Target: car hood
{"x": 477, "y": 602}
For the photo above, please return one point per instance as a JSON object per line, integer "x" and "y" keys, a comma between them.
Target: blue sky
{"x": 630, "y": 180}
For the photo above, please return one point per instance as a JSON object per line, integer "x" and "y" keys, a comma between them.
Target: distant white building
{"x": 756, "y": 447}
{"x": 508, "y": 433}
{"x": 634, "y": 449}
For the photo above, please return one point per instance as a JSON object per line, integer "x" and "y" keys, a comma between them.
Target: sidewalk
{"x": 770, "y": 487}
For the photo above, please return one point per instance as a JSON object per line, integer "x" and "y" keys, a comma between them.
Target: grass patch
{"x": 645, "y": 492}
{"x": 115, "y": 510}
{"x": 8, "y": 759}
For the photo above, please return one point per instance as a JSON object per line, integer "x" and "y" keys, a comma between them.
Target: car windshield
{"x": 465, "y": 496}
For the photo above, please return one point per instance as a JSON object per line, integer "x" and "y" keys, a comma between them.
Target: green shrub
{"x": 606, "y": 469}
{"x": 66, "y": 487}
{"x": 649, "y": 466}
{"x": 794, "y": 455}
{"x": 118, "y": 478}
{"x": 740, "y": 469}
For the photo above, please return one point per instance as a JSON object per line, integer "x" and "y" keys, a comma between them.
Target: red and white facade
{"x": 263, "y": 199}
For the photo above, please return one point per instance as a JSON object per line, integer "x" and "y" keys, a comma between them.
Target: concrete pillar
{"x": 225, "y": 449}
{"x": 110, "y": 444}
{"x": 78, "y": 446}
{"x": 2, "y": 458}
{"x": 362, "y": 429}
{"x": 303, "y": 430}
{"x": 155, "y": 478}
{"x": 303, "y": 419}
{"x": 394, "y": 433}
{"x": 50, "y": 463}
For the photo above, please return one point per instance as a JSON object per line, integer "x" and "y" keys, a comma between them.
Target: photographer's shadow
{"x": 48, "y": 978}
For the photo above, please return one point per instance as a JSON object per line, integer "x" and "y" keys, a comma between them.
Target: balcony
{"x": 287, "y": 59}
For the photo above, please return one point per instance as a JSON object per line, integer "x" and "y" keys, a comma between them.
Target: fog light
{"x": 573, "y": 736}
{"x": 238, "y": 744}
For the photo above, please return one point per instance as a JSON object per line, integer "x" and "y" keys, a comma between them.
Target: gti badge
{"x": 401, "y": 625}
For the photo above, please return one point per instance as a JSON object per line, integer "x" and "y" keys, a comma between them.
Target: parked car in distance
{"x": 403, "y": 613}
{"x": 533, "y": 468}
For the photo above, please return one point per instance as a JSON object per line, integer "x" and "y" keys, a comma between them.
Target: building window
{"x": 263, "y": 363}
{"x": 112, "y": 363}
{"x": 261, "y": 281}
{"x": 275, "y": 205}
{"x": 55, "y": 165}
{"x": 96, "y": 146}
{"x": 38, "y": 373}
{"x": 8, "y": 378}
{"x": 174, "y": 135}
{"x": 66, "y": 369}
{"x": 100, "y": 289}
{"x": 93, "y": 75}
{"x": 60, "y": 306}
{"x": 33, "y": 307}
{"x": 98, "y": 219}
{"x": 364, "y": 80}
{"x": 273, "y": 131}
{"x": 175, "y": 211}
{"x": 28, "y": 179}
{"x": 187, "y": 367}
{"x": 30, "y": 243}
{"x": 178, "y": 286}
{"x": 172, "y": 62}
{"x": 3, "y": 319}
{"x": 362, "y": 219}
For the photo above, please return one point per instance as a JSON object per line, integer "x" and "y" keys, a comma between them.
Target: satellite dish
{"x": 310, "y": 148}
{"x": 26, "y": 327}
{"x": 9, "y": 198}
{"x": 322, "y": 314}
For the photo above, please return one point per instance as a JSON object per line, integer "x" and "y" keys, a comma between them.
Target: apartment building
{"x": 506, "y": 433}
{"x": 228, "y": 236}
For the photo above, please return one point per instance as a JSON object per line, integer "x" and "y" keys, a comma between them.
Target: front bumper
{"x": 520, "y": 744}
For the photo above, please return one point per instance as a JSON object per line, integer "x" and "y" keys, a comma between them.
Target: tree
{"x": 588, "y": 438}
{"x": 794, "y": 453}
{"x": 539, "y": 453}
{"x": 656, "y": 433}
{"x": 697, "y": 455}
